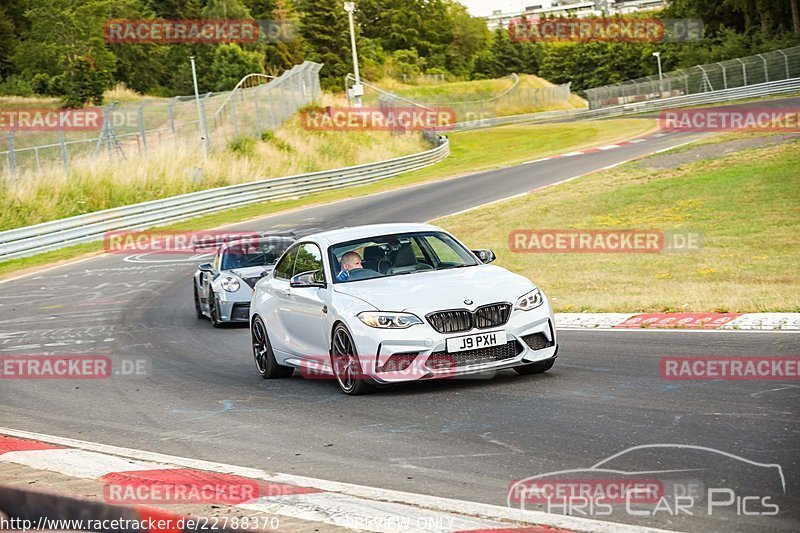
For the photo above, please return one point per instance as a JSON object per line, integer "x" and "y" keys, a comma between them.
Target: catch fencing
{"x": 757, "y": 70}
{"x": 513, "y": 100}
{"x": 258, "y": 103}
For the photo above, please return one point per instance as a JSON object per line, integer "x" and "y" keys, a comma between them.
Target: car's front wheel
{"x": 213, "y": 310}
{"x": 535, "y": 368}
{"x": 267, "y": 366}
{"x": 345, "y": 363}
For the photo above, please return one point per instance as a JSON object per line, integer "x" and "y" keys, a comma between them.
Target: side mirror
{"x": 486, "y": 256}
{"x": 206, "y": 267}
{"x": 312, "y": 278}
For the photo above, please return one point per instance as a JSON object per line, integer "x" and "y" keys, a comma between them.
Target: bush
{"x": 15, "y": 86}
{"x": 243, "y": 146}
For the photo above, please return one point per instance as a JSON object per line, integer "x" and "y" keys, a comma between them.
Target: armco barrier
{"x": 47, "y": 236}
{"x": 90, "y": 227}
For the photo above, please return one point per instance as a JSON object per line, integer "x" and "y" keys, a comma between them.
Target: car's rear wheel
{"x": 267, "y": 366}
{"x": 535, "y": 368}
{"x": 345, "y": 363}
{"x": 213, "y": 310}
{"x": 197, "y": 308}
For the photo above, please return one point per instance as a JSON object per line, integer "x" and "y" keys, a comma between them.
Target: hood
{"x": 424, "y": 292}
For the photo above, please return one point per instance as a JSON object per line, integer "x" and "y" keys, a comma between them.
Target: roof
{"x": 361, "y": 232}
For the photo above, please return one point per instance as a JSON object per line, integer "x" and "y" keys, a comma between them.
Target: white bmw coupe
{"x": 414, "y": 303}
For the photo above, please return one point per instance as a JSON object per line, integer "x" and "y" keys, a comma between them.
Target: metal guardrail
{"x": 715, "y": 97}
{"x": 91, "y": 227}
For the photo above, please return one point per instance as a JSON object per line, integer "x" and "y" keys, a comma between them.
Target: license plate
{"x": 478, "y": 340}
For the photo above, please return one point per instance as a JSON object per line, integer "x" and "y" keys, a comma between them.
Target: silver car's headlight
{"x": 379, "y": 319}
{"x": 532, "y": 300}
{"x": 230, "y": 284}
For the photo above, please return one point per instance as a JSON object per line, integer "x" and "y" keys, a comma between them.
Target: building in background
{"x": 573, "y": 8}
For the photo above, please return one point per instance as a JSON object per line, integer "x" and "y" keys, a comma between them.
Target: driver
{"x": 350, "y": 261}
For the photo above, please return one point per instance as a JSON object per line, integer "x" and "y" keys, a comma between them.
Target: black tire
{"x": 535, "y": 368}
{"x": 197, "y": 309}
{"x": 346, "y": 365}
{"x": 213, "y": 311}
{"x": 266, "y": 364}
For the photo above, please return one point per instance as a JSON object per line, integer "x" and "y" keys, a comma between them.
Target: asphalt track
{"x": 466, "y": 439}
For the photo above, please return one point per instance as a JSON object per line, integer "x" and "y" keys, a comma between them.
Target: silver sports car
{"x": 223, "y": 287}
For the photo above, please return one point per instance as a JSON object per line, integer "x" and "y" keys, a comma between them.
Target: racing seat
{"x": 372, "y": 256}
{"x": 406, "y": 261}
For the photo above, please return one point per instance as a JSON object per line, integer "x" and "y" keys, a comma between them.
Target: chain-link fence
{"x": 741, "y": 72}
{"x": 516, "y": 99}
{"x": 257, "y": 104}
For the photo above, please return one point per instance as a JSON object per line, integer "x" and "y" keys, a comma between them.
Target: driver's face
{"x": 355, "y": 263}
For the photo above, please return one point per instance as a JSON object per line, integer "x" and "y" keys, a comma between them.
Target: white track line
{"x": 373, "y": 495}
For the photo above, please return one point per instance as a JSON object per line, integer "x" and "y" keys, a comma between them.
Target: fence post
{"x": 786, "y": 62}
{"x": 13, "y": 158}
{"x": 64, "y": 157}
{"x": 724, "y": 75}
{"x": 766, "y": 70}
{"x": 171, "y": 110}
{"x": 142, "y": 130}
{"x": 744, "y": 71}
{"x": 36, "y": 155}
{"x": 233, "y": 116}
{"x": 203, "y": 118}
{"x": 258, "y": 115}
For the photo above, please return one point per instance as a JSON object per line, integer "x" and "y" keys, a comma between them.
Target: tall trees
{"x": 325, "y": 30}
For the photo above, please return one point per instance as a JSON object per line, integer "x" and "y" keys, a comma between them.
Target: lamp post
{"x": 660, "y": 75}
{"x": 200, "y": 121}
{"x": 357, "y": 90}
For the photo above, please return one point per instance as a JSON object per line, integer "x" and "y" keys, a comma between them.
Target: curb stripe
{"x": 12, "y": 444}
{"x": 681, "y": 321}
{"x": 483, "y": 516}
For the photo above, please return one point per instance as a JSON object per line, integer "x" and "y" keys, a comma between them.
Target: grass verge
{"x": 746, "y": 206}
{"x": 470, "y": 152}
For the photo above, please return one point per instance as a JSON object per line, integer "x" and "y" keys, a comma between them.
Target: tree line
{"x": 57, "y": 47}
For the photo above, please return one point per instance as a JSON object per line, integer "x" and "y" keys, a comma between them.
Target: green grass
{"x": 746, "y": 205}
{"x": 471, "y": 152}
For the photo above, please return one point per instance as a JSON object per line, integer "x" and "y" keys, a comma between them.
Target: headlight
{"x": 230, "y": 284}
{"x": 378, "y": 319}
{"x": 532, "y": 300}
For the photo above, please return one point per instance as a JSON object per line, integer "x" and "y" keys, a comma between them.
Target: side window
{"x": 418, "y": 253}
{"x": 444, "y": 252}
{"x": 283, "y": 270}
{"x": 309, "y": 258}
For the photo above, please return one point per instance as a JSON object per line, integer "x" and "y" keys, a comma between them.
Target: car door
{"x": 275, "y": 304}
{"x": 306, "y": 323}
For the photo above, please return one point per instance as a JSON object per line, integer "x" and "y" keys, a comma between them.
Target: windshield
{"x": 261, "y": 252}
{"x": 398, "y": 254}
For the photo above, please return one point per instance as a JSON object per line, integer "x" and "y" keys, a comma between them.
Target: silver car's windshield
{"x": 254, "y": 253}
{"x": 398, "y": 254}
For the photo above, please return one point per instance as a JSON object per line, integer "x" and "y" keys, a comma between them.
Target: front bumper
{"x": 384, "y": 353}
{"x": 233, "y": 309}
